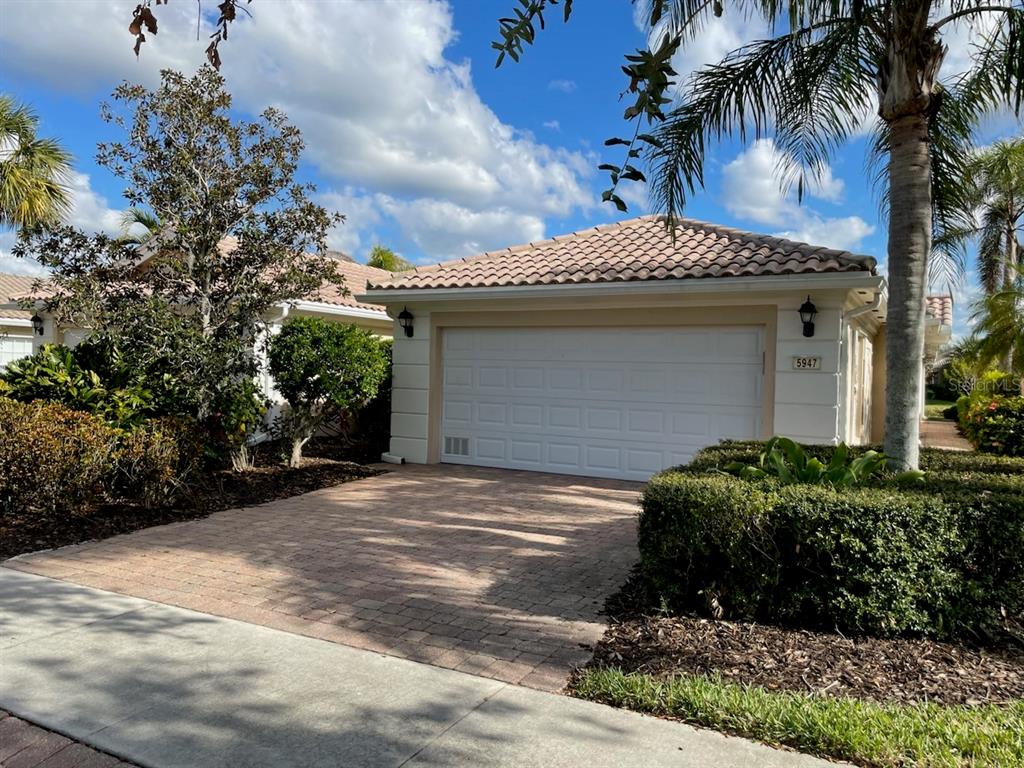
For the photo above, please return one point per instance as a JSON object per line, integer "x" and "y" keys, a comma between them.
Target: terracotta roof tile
{"x": 637, "y": 249}
{"x": 357, "y": 276}
{"x": 940, "y": 307}
{"x": 11, "y": 289}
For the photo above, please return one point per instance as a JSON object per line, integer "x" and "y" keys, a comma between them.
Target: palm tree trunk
{"x": 910, "y": 236}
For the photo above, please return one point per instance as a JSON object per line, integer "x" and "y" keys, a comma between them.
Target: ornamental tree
{"x": 323, "y": 370}
{"x": 238, "y": 237}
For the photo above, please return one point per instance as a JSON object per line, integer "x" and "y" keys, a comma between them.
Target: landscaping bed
{"x": 215, "y": 491}
{"x": 888, "y": 670}
{"x": 881, "y": 622}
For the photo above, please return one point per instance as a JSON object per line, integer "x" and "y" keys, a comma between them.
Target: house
{"x": 618, "y": 351}
{"x": 329, "y": 302}
{"x": 16, "y": 332}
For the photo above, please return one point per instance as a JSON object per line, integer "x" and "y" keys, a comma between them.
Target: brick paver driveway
{"x": 492, "y": 572}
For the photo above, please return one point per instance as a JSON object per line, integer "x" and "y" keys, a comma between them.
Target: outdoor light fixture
{"x": 38, "y": 325}
{"x": 807, "y": 312}
{"x": 405, "y": 320}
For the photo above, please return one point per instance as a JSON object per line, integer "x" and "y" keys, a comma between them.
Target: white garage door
{"x": 13, "y": 348}
{"x": 604, "y": 402}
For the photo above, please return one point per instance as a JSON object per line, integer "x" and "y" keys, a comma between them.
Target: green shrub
{"x": 993, "y": 423}
{"x": 153, "y": 463}
{"x": 57, "y": 460}
{"x": 872, "y": 560}
{"x": 323, "y": 369}
{"x": 54, "y": 374}
{"x": 945, "y": 557}
{"x": 52, "y": 459}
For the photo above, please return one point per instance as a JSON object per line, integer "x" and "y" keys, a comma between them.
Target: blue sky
{"x": 412, "y": 133}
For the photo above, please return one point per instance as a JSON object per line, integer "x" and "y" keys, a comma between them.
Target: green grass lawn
{"x": 933, "y": 408}
{"x": 860, "y": 731}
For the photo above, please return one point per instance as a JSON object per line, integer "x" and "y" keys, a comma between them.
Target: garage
{"x": 604, "y": 402}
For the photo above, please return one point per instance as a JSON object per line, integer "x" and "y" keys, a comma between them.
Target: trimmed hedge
{"x": 945, "y": 558}
{"x": 56, "y": 460}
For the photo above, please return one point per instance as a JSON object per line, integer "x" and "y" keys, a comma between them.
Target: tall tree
{"x": 33, "y": 171}
{"x": 811, "y": 86}
{"x": 996, "y": 179}
{"x": 238, "y": 236}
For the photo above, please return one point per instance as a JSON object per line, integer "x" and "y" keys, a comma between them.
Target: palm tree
{"x": 811, "y": 86}
{"x": 137, "y": 225}
{"x": 33, "y": 171}
{"x": 996, "y": 177}
{"x": 1000, "y": 326}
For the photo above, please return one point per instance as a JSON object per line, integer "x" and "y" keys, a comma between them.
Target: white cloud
{"x": 446, "y": 231}
{"x": 565, "y": 86}
{"x": 552, "y": 125}
{"x": 844, "y": 233}
{"x": 380, "y": 105}
{"x": 12, "y": 265}
{"x": 89, "y": 210}
{"x": 361, "y": 216}
{"x": 751, "y": 189}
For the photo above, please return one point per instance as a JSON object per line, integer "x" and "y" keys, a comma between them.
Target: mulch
{"x": 269, "y": 480}
{"x": 822, "y": 663}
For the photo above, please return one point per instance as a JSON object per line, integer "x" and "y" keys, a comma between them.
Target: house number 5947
{"x": 807, "y": 363}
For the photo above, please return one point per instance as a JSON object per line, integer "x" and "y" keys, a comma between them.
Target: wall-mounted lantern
{"x": 405, "y": 320}
{"x": 38, "y": 325}
{"x": 807, "y": 312}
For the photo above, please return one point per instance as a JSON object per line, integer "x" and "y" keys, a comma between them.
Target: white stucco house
{"x": 618, "y": 351}
{"x": 23, "y": 331}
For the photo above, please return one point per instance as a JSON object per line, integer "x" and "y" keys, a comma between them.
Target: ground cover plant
{"x": 864, "y": 732}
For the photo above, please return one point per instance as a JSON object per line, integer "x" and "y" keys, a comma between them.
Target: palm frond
{"x": 809, "y": 87}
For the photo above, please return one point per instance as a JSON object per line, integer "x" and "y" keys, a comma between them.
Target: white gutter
{"x": 871, "y": 307}
{"x": 339, "y": 309}
{"x": 17, "y": 322}
{"x": 764, "y": 283}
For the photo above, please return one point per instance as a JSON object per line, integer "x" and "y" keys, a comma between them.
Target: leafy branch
{"x": 143, "y": 18}
{"x": 519, "y": 30}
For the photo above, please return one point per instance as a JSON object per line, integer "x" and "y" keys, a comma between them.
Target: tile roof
{"x": 940, "y": 307}
{"x": 11, "y": 288}
{"x": 637, "y": 249}
{"x": 357, "y": 277}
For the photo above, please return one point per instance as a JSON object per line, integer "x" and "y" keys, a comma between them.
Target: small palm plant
{"x": 789, "y": 462}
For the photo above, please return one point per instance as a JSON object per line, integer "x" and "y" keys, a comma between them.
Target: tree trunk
{"x": 910, "y": 237}
{"x": 295, "y": 460}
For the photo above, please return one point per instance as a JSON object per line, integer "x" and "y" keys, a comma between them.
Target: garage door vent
{"x": 456, "y": 446}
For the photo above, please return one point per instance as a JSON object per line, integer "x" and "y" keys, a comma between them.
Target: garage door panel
{"x": 609, "y": 403}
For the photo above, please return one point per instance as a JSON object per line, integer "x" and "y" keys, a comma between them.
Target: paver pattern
{"x": 24, "y": 745}
{"x": 493, "y": 572}
{"x": 941, "y": 433}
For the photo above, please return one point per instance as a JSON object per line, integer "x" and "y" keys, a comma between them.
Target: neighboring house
{"x": 16, "y": 332}
{"x": 618, "y": 351}
{"x": 328, "y": 302}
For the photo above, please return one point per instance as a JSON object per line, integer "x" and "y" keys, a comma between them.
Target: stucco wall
{"x": 806, "y": 404}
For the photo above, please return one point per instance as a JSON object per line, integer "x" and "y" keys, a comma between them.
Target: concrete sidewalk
{"x": 162, "y": 686}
